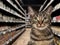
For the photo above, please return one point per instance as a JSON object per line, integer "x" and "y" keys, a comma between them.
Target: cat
{"x": 41, "y": 32}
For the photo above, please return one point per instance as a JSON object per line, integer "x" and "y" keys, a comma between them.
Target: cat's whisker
{"x": 47, "y": 5}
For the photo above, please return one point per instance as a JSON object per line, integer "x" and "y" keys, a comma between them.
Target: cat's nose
{"x": 40, "y": 25}
{"x": 40, "y": 22}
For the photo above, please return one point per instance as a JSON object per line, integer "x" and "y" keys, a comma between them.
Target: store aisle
{"x": 24, "y": 38}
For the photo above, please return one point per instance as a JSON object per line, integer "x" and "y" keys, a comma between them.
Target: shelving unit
{"x": 10, "y": 14}
{"x": 15, "y": 36}
{"x": 9, "y": 21}
{"x": 20, "y": 6}
{"x": 10, "y": 30}
{"x": 15, "y": 6}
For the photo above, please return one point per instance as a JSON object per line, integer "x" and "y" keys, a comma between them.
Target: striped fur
{"x": 41, "y": 33}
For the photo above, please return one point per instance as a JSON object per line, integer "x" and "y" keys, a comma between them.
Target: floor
{"x": 24, "y": 38}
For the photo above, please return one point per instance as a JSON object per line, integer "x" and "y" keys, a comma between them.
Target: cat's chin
{"x": 40, "y": 28}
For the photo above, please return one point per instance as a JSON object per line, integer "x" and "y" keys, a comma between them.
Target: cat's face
{"x": 40, "y": 20}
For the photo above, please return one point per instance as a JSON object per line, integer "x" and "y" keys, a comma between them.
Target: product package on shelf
{"x": 1, "y": 4}
{"x": 5, "y": 38}
{"x": 4, "y": 6}
{"x": 1, "y": 39}
{"x": 9, "y": 18}
{"x": 5, "y": 17}
{"x": 1, "y": 16}
{"x": 8, "y": 8}
{"x": 13, "y": 33}
{"x": 12, "y": 18}
{"x": 2, "y": 28}
{"x": 12, "y": 11}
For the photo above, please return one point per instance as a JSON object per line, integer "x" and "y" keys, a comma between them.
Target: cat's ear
{"x": 30, "y": 11}
{"x": 49, "y": 10}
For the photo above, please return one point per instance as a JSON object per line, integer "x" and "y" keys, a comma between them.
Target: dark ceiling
{"x": 33, "y": 2}
{"x": 38, "y": 2}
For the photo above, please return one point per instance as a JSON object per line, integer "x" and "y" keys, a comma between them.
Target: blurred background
{"x": 14, "y": 20}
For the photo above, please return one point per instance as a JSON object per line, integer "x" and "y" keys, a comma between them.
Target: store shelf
{"x": 9, "y": 1}
{"x": 19, "y": 5}
{"x": 15, "y": 14}
{"x": 11, "y": 21}
{"x": 56, "y": 19}
{"x": 15, "y": 36}
{"x": 10, "y": 30}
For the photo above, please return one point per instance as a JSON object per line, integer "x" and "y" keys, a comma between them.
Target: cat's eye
{"x": 35, "y": 19}
{"x": 45, "y": 18}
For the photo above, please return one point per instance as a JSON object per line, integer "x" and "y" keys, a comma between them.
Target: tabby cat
{"x": 41, "y": 32}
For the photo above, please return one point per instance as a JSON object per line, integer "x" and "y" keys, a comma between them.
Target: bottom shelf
{"x": 10, "y": 36}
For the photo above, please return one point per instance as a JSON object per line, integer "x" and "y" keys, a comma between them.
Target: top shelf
{"x": 19, "y": 5}
{"x": 15, "y": 6}
{"x": 15, "y": 14}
